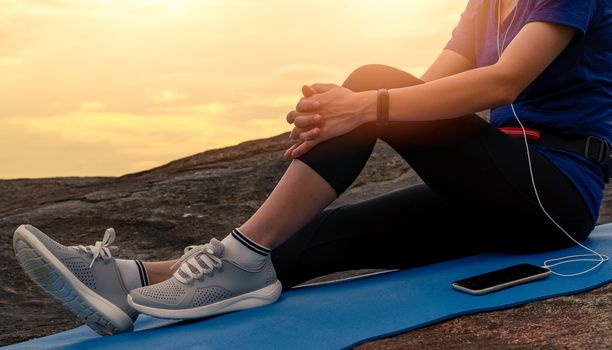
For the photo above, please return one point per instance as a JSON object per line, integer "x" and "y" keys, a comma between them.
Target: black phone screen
{"x": 502, "y": 276}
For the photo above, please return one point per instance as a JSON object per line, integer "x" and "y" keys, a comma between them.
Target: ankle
{"x": 262, "y": 236}
{"x": 243, "y": 250}
{"x": 159, "y": 271}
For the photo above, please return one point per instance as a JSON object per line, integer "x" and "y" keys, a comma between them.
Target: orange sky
{"x": 110, "y": 87}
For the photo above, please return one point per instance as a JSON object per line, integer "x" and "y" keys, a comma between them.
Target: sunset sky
{"x": 110, "y": 87}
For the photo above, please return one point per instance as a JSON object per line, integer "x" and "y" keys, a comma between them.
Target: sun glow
{"x": 107, "y": 87}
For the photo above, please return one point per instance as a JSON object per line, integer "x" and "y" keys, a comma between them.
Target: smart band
{"x": 382, "y": 107}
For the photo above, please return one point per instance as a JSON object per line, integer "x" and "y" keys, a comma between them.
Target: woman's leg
{"x": 304, "y": 190}
{"x": 477, "y": 172}
{"x": 400, "y": 229}
{"x": 476, "y": 177}
{"x": 471, "y": 165}
{"x": 299, "y": 195}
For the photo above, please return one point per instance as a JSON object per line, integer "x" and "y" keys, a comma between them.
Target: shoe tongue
{"x": 217, "y": 247}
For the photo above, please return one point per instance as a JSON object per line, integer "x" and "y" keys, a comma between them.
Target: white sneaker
{"x": 207, "y": 284}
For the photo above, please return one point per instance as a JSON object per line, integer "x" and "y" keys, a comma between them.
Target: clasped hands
{"x": 326, "y": 111}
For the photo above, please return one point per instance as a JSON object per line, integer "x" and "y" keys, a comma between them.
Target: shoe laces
{"x": 101, "y": 249}
{"x": 198, "y": 260}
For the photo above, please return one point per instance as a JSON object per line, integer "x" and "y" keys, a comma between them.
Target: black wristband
{"x": 382, "y": 107}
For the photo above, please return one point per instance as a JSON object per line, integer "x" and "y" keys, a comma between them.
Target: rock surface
{"x": 158, "y": 212}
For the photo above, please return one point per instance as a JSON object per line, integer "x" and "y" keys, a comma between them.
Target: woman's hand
{"x": 304, "y": 117}
{"x": 327, "y": 111}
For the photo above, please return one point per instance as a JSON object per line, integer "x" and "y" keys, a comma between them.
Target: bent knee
{"x": 378, "y": 76}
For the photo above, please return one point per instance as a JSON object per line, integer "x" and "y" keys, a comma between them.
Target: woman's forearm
{"x": 450, "y": 97}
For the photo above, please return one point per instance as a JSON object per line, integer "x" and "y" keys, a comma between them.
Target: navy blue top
{"x": 572, "y": 97}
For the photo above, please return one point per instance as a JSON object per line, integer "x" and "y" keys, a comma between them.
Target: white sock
{"x": 133, "y": 273}
{"x": 242, "y": 250}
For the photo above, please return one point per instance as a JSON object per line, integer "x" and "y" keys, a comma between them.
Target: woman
{"x": 545, "y": 63}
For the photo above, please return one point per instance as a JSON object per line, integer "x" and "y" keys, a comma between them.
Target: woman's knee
{"x": 378, "y": 76}
{"x": 363, "y": 77}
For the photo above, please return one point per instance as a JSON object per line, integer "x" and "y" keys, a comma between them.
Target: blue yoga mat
{"x": 343, "y": 314}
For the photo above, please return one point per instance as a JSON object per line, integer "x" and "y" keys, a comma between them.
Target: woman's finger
{"x": 307, "y": 91}
{"x": 295, "y": 133}
{"x": 291, "y": 116}
{"x": 307, "y": 105}
{"x": 288, "y": 152}
{"x": 320, "y": 87}
{"x": 310, "y": 134}
{"x": 294, "y": 114}
{"x": 304, "y": 121}
{"x": 303, "y": 148}
{"x": 304, "y": 134}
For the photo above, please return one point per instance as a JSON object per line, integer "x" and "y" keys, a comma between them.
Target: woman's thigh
{"x": 401, "y": 229}
{"x": 483, "y": 175}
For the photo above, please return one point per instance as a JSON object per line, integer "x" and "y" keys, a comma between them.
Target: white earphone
{"x": 594, "y": 256}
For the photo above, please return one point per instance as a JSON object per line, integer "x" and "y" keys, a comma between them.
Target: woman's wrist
{"x": 367, "y": 102}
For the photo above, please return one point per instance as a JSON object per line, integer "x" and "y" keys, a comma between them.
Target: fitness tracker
{"x": 382, "y": 107}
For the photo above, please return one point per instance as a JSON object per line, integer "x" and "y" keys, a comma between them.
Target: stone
{"x": 158, "y": 212}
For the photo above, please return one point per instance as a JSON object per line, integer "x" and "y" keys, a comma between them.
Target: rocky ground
{"x": 157, "y": 213}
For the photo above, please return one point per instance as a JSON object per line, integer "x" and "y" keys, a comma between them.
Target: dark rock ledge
{"x": 158, "y": 212}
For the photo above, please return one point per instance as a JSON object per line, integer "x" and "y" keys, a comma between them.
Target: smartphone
{"x": 500, "y": 279}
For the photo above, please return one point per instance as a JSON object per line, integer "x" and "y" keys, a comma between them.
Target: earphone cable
{"x": 566, "y": 259}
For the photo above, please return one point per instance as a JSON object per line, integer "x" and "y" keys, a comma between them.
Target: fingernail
{"x": 317, "y": 118}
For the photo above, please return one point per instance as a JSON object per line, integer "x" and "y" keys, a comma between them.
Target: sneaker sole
{"x": 260, "y": 297}
{"x": 54, "y": 278}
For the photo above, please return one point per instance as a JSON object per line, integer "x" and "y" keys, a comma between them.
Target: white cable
{"x": 500, "y": 48}
{"x": 566, "y": 259}
{"x": 562, "y": 260}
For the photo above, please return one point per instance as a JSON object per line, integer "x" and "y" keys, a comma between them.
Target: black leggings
{"x": 477, "y": 196}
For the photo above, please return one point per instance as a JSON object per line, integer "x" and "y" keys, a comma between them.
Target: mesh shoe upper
{"x": 100, "y": 274}
{"x": 201, "y": 280}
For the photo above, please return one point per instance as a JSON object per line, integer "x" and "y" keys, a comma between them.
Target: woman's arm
{"x": 339, "y": 110}
{"x": 448, "y": 63}
{"x": 531, "y": 51}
